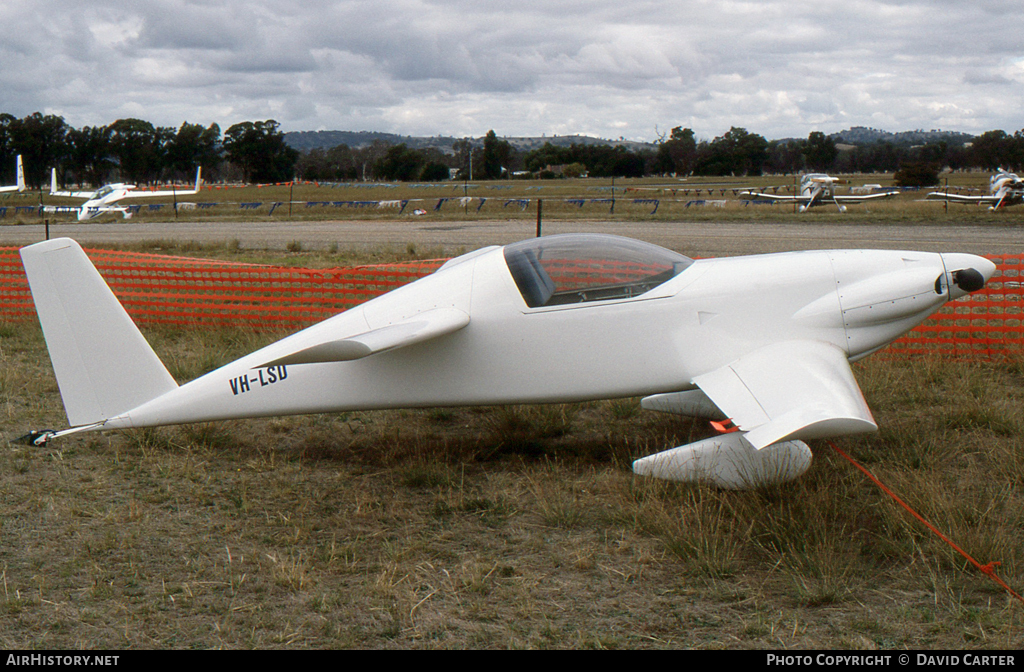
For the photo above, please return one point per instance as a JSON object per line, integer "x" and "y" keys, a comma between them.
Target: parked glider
{"x": 764, "y": 341}
{"x": 20, "y": 177}
{"x": 817, "y": 189}
{"x": 104, "y": 200}
{"x": 1004, "y": 189}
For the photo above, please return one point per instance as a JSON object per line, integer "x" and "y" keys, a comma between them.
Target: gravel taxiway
{"x": 705, "y": 239}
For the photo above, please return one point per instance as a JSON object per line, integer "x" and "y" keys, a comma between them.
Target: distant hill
{"x": 306, "y": 140}
{"x": 861, "y": 135}
{"x": 527, "y": 144}
{"x": 858, "y": 135}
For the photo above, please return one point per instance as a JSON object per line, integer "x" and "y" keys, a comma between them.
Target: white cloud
{"x": 776, "y": 67}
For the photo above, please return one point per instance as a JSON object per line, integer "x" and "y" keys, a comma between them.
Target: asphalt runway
{"x": 700, "y": 239}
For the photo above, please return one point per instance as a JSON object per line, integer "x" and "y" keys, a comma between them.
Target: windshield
{"x": 577, "y": 268}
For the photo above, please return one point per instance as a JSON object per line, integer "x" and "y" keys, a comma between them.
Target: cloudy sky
{"x": 608, "y": 68}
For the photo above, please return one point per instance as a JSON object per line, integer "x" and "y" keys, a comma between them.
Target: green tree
{"x": 193, "y": 147}
{"x": 7, "y": 152}
{"x": 785, "y": 156}
{"x": 42, "y": 142}
{"x": 463, "y": 152}
{"x": 993, "y": 150}
{"x": 547, "y": 155}
{"x": 435, "y": 171}
{"x": 820, "y": 152}
{"x": 916, "y": 174}
{"x": 497, "y": 157}
{"x": 342, "y": 163}
{"x": 138, "y": 147}
{"x": 574, "y": 170}
{"x": 735, "y": 153}
{"x": 677, "y": 154}
{"x": 89, "y": 154}
{"x": 258, "y": 149}
{"x": 399, "y": 163}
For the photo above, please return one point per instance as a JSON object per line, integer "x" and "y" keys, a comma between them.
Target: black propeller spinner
{"x": 968, "y": 279}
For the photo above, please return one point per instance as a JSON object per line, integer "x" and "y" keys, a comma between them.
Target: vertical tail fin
{"x": 21, "y": 174}
{"x": 103, "y": 364}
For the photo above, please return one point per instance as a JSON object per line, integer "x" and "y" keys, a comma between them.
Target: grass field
{"x": 698, "y": 199}
{"x": 517, "y": 527}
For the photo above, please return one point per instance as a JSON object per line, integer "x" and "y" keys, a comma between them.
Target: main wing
{"x": 66, "y": 194}
{"x": 759, "y": 195}
{"x": 960, "y": 198}
{"x": 789, "y": 390}
{"x": 168, "y": 192}
{"x": 866, "y": 197}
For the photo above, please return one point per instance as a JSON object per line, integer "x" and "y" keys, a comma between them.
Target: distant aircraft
{"x": 764, "y": 341}
{"x": 1004, "y": 188}
{"x": 20, "y": 171}
{"x": 105, "y": 199}
{"x": 817, "y": 189}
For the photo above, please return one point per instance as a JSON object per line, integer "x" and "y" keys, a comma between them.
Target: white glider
{"x": 817, "y": 189}
{"x": 1004, "y": 189}
{"x": 762, "y": 340}
{"x": 104, "y": 200}
{"x": 19, "y": 177}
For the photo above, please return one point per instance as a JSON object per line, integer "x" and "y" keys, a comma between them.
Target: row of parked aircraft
{"x": 101, "y": 201}
{"x": 816, "y": 189}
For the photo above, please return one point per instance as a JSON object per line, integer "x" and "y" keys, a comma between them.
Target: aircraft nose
{"x": 968, "y": 272}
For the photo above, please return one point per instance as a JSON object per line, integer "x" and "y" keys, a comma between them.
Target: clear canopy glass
{"x": 578, "y": 268}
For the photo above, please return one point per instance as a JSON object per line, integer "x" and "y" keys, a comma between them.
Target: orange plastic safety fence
{"x": 987, "y": 323}
{"x": 179, "y": 290}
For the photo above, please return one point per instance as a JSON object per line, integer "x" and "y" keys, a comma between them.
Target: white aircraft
{"x": 105, "y": 199}
{"x": 1004, "y": 189}
{"x": 20, "y": 177}
{"x": 764, "y": 341}
{"x": 817, "y": 189}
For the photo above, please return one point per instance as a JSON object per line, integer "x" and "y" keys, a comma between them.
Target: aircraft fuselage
{"x": 698, "y": 321}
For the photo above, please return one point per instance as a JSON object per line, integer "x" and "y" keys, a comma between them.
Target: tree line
{"x": 735, "y": 153}
{"x": 134, "y": 150}
{"x": 741, "y": 153}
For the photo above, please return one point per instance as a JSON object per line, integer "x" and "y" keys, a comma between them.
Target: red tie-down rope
{"x": 989, "y": 569}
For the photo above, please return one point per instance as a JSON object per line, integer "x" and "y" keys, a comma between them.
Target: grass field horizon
{"x": 652, "y": 198}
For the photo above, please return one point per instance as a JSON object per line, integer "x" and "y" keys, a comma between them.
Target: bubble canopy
{"x": 579, "y": 268}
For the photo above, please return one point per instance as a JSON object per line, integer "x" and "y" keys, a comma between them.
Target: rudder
{"x": 103, "y": 364}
